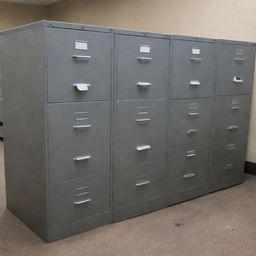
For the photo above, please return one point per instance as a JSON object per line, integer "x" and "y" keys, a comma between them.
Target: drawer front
{"x": 193, "y": 69}
{"x": 234, "y": 69}
{"x": 227, "y": 159}
{"x": 143, "y": 67}
{"x": 79, "y": 65}
{"x": 232, "y": 117}
{"x": 79, "y": 198}
{"x": 135, "y": 184}
{"x": 188, "y": 166}
{"x": 190, "y": 121}
{"x": 140, "y": 133}
{"x": 79, "y": 139}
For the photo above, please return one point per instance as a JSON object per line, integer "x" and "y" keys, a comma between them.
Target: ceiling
{"x": 40, "y": 2}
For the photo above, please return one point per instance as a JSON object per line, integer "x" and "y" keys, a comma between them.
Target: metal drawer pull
{"x": 235, "y": 107}
{"x": 229, "y": 166}
{"x": 143, "y": 120}
{"x": 143, "y": 147}
{"x": 142, "y": 183}
{"x": 191, "y": 155}
{"x": 194, "y": 83}
{"x": 196, "y": 59}
{"x": 232, "y": 127}
{"x": 193, "y": 131}
{"x": 82, "y": 57}
{"x": 82, "y": 87}
{"x": 231, "y": 147}
{"x": 193, "y": 114}
{"x": 189, "y": 175}
{"x": 144, "y": 59}
{"x": 83, "y": 201}
{"x": 238, "y": 79}
{"x": 82, "y": 126}
{"x": 239, "y": 59}
{"x": 81, "y": 158}
{"x": 143, "y": 84}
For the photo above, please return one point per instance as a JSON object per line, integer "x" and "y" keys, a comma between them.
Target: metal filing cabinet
{"x": 192, "y": 87}
{"x": 57, "y": 150}
{"x": 140, "y": 123}
{"x": 102, "y": 125}
{"x": 234, "y": 79}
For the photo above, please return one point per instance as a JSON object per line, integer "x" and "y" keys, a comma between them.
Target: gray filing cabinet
{"x": 102, "y": 124}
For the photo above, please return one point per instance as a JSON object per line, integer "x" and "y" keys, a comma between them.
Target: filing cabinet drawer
{"x": 234, "y": 69}
{"x": 232, "y": 117}
{"x": 228, "y": 159}
{"x": 79, "y": 139}
{"x": 190, "y": 121}
{"x": 141, "y": 130}
{"x": 188, "y": 166}
{"x": 79, "y": 65}
{"x": 135, "y": 184}
{"x": 142, "y": 67}
{"x": 79, "y": 198}
{"x": 193, "y": 67}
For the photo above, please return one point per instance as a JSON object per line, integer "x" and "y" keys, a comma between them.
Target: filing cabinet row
{"x": 103, "y": 125}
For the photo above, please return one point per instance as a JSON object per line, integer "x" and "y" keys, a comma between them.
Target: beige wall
{"x": 13, "y": 15}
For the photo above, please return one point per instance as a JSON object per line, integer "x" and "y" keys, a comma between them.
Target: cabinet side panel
{"x": 24, "y": 110}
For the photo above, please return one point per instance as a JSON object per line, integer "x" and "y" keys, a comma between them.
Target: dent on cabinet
{"x": 102, "y": 125}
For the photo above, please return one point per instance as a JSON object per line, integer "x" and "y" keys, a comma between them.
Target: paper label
{"x": 79, "y": 45}
{"x": 193, "y": 106}
{"x": 145, "y": 48}
{"x": 239, "y": 52}
{"x": 195, "y": 51}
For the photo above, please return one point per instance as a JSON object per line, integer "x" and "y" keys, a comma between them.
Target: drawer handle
{"x": 238, "y": 79}
{"x": 188, "y": 176}
{"x": 239, "y": 59}
{"x": 195, "y": 59}
{"x": 143, "y": 147}
{"x": 232, "y": 127}
{"x": 143, "y": 84}
{"x": 144, "y": 59}
{"x": 82, "y": 126}
{"x": 192, "y": 131}
{"x": 142, "y": 183}
{"x": 82, "y": 158}
{"x": 142, "y": 120}
{"x": 190, "y": 155}
{"x": 191, "y": 114}
{"x": 82, "y": 57}
{"x": 82, "y": 201}
{"x": 194, "y": 83}
{"x": 235, "y": 107}
{"x": 229, "y": 166}
{"x": 82, "y": 87}
{"x": 231, "y": 147}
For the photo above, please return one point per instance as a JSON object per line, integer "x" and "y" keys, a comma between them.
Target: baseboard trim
{"x": 250, "y": 167}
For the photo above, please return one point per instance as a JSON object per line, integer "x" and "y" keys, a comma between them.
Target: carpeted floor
{"x": 220, "y": 224}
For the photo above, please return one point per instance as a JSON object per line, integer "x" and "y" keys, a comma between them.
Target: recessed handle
{"x": 143, "y": 147}
{"x": 235, "y": 107}
{"x": 229, "y": 166}
{"x": 189, "y": 175}
{"x": 82, "y": 201}
{"x": 239, "y": 59}
{"x": 82, "y": 57}
{"x": 82, "y": 87}
{"x": 238, "y": 79}
{"x": 193, "y": 114}
{"x": 144, "y": 84}
{"x": 82, "y": 158}
{"x": 144, "y": 59}
{"x": 82, "y": 126}
{"x": 142, "y": 183}
{"x": 192, "y": 131}
{"x": 143, "y": 120}
{"x": 191, "y": 153}
{"x": 197, "y": 60}
{"x": 232, "y": 127}
{"x": 231, "y": 147}
{"x": 194, "y": 83}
